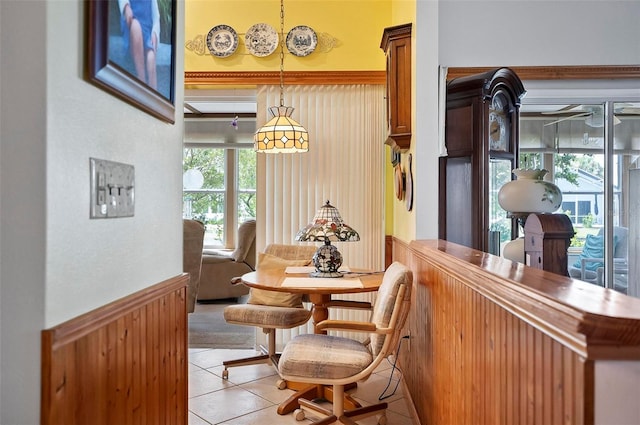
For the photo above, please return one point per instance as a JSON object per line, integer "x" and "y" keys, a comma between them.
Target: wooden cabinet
{"x": 481, "y": 131}
{"x": 396, "y": 43}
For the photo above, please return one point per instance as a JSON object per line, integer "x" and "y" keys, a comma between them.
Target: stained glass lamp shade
{"x": 281, "y": 134}
{"x": 327, "y": 226}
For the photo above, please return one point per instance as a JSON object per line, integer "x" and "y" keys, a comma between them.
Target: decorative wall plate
{"x": 301, "y": 40}
{"x": 399, "y": 182}
{"x": 222, "y": 41}
{"x": 408, "y": 193}
{"x": 261, "y": 40}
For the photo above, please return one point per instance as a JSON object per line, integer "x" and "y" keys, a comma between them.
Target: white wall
{"x": 506, "y": 33}
{"x": 22, "y": 209}
{"x": 56, "y": 263}
{"x": 425, "y": 163}
{"x": 616, "y": 392}
{"x": 532, "y": 32}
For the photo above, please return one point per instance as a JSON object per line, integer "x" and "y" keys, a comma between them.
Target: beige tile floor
{"x": 250, "y": 395}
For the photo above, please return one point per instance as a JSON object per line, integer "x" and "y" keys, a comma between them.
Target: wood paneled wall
{"x": 124, "y": 363}
{"x": 495, "y": 342}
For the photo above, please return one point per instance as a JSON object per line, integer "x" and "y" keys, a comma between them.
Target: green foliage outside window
{"x": 246, "y": 184}
{"x": 208, "y": 203}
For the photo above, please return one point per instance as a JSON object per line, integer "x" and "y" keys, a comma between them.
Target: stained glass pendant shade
{"x": 282, "y": 133}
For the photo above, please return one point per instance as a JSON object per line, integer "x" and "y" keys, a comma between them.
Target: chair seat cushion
{"x": 263, "y": 316}
{"x": 326, "y": 356}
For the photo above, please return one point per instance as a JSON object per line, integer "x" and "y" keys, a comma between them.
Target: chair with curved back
{"x": 271, "y": 310}
{"x": 337, "y": 361}
{"x": 589, "y": 267}
{"x": 219, "y": 267}
{"x": 193, "y": 239}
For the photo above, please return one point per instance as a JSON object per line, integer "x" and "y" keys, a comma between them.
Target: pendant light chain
{"x": 281, "y": 52}
{"x": 281, "y": 134}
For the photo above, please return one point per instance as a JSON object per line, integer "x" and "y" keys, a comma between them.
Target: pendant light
{"x": 282, "y": 134}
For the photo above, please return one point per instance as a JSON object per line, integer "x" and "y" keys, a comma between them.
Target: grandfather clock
{"x": 481, "y": 131}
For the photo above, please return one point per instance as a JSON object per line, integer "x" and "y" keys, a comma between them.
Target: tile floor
{"x": 250, "y": 395}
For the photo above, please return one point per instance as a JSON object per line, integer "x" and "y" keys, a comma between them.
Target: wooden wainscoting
{"x": 123, "y": 363}
{"x": 496, "y": 342}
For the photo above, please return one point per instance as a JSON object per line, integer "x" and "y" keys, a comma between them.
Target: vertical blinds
{"x": 345, "y": 165}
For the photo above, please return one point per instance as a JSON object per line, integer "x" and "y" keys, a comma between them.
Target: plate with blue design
{"x": 261, "y": 40}
{"x": 302, "y": 40}
{"x": 222, "y": 41}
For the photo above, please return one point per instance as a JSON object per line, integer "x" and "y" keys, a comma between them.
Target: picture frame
{"x": 112, "y": 53}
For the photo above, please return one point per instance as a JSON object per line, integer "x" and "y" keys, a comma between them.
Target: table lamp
{"x": 327, "y": 226}
{"x": 529, "y": 193}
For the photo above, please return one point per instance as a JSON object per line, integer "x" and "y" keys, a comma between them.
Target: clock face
{"x": 499, "y": 123}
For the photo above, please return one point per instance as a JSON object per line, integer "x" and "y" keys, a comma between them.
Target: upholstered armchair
{"x": 219, "y": 268}
{"x": 589, "y": 267}
{"x": 193, "y": 238}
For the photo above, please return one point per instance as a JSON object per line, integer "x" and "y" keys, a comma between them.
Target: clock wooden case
{"x": 482, "y": 114}
{"x": 396, "y": 43}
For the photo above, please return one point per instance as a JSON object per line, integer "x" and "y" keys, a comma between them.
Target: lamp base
{"x": 319, "y": 273}
{"x": 327, "y": 261}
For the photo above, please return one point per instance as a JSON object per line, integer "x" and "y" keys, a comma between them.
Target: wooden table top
{"x": 273, "y": 279}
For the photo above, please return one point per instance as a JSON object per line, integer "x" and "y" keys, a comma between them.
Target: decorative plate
{"x": 222, "y": 41}
{"x": 301, "y": 40}
{"x": 261, "y": 40}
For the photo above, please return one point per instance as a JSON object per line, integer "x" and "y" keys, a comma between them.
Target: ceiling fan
{"x": 594, "y": 114}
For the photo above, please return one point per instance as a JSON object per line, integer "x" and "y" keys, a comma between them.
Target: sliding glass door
{"x": 591, "y": 151}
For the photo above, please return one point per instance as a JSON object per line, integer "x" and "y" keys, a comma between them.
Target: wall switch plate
{"x": 112, "y": 189}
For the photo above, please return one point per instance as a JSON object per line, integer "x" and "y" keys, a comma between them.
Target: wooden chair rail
{"x": 496, "y": 342}
{"x": 594, "y": 322}
{"x": 123, "y": 363}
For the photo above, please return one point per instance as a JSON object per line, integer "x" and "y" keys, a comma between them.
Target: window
{"x": 219, "y": 189}
{"x": 592, "y": 159}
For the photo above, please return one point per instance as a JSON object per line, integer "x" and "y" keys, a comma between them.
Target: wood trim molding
{"x": 290, "y": 78}
{"x": 475, "y": 357}
{"x": 92, "y": 321}
{"x": 595, "y": 324}
{"x": 557, "y": 72}
{"x": 379, "y": 77}
{"x": 122, "y": 363}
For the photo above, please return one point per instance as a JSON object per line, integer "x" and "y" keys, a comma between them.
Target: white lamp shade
{"x": 514, "y": 250}
{"x": 529, "y": 193}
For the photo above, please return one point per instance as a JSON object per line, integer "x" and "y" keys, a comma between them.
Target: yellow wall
{"x": 355, "y": 26}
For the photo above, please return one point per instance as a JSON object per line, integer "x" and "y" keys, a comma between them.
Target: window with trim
{"x": 219, "y": 189}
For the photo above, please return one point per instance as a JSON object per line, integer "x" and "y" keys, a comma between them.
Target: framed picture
{"x": 131, "y": 52}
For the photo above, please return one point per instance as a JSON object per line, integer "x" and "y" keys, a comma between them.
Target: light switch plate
{"x": 112, "y": 189}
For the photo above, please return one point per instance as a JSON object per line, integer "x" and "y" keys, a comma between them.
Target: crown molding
{"x": 290, "y": 77}
{"x": 556, "y": 72}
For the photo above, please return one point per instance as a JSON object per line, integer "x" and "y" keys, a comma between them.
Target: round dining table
{"x": 319, "y": 290}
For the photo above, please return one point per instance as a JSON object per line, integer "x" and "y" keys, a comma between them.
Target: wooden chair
{"x": 331, "y": 360}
